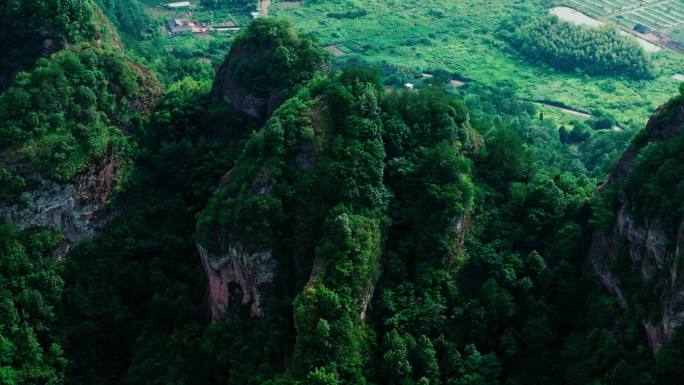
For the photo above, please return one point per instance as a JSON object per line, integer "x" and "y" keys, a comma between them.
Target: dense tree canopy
{"x": 69, "y": 109}
{"x": 127, "y": 15}
{"x": 270, "y": 54}
{"x": 30, "y": 29}
{"x": 590, "y": 50}
{"x": 436, "y": 237}
{"x": 30, "y": 287}
{"x": 655, "y": 186}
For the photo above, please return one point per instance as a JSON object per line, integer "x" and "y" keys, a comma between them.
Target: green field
{"x": 459, "y": 36}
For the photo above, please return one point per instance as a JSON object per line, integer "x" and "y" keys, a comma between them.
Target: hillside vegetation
{"x": 467, "y": 220}
{"x": 72, "y": 108}
{"x": 128, "y": 15}
{"x": 69, "y": 109}
{"x": 356, "y": 232}
{"x": 34, "y": 28}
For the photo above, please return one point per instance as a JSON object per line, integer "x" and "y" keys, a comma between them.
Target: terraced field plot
{"x": 665, "y": 16}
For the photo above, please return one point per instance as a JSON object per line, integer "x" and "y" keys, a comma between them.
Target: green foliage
{"x": 30, "y": 27}
{"x": 396, "y": 367}
{"x": 420, "y": 238}
{"x": 604, "y": 210}
{"x": 655, "y": 186}
{"x": 23, "y": 21}
{"x": 602, "y": 150}
{"x": 127, "y": 15}
{"x": 137, "y": 324}
{"x": 669, "y": 369}
{"x": 68, "y": 110}
{"x": 407, "y": 38}
{"x": 11, "y": 185}
{"x": 351, "y": 14}
{"x": 30, "y": 287}
{"x": 270, "y": 55}
{"x": 321, "y": 376}
{"x": 354, "y": 183}
{"x": 220, "y": 3}
{"x": 347, "y": 205}
{"x": 578, "y": 134}
{"x": 595, "y": 51}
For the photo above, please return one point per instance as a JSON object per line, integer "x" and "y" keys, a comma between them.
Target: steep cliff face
{"x": 75, "y": 202}
{"x": 238, "y": 271}
{"x": 78, "y": 209}
{"x": 639, "y": 259}
{"x": 71, "y": 152}
{"x": 239, "y": 232}
{"x": 250, "y": 271}
{"x": 265, "y": 64}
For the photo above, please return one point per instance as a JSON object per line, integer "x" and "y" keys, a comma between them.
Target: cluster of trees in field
{"x": 589, "y": 50}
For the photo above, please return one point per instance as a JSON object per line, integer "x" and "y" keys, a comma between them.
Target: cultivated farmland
{"x": 659, "y": 20}
{"x": 406, "y": 38}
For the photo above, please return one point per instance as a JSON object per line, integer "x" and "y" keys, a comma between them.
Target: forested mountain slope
{"x": 469, "y": 267}
{"x": 69, "y": 96}
{"x": 638, "y": 246}
{"x": 64, "y": 122}
{"x": 32, "y": 29}
{"x": 265, "y": 64}
{"x": 289, "y": 223}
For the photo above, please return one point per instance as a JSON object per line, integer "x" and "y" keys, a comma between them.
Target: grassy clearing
{"x": 458, "y": 36}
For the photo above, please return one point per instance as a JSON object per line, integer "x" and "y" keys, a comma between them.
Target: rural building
{"x": 181, "y": 4}
{"x": 408, "y": 86}
{"x": 179, "y": 26}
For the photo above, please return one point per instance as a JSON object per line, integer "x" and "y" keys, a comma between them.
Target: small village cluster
{"x": 183, "y": 26}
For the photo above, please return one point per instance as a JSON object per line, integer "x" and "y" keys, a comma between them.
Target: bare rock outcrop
{"x": 237, "y": 273}
{"x": 247, "y": 271}
{"x": 649, "y": 249}
{"x": 78, "y": 209}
